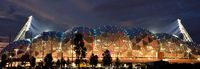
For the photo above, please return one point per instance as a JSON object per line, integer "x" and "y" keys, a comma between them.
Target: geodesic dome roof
{"x": 108, "y": 37}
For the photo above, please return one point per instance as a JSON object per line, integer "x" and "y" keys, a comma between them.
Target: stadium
{"x": 125, "y": 43}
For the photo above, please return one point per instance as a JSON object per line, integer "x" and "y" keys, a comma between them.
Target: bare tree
{"x": 79, "y": 48}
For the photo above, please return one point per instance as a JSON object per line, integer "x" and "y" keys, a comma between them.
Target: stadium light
{"x": 47, "y": 30}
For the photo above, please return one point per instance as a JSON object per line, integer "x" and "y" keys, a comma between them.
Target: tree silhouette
{"x": 32, "y": 61}
{"x": 48, "y": 60}
{"x": 4, "y": 60}
{"x": 25, "y": 58}
{"x": 107, "y": 59}
{"x": 93, "y": 60}
{"x": 79, "y": 48}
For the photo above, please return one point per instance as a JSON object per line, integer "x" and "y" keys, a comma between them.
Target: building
{"x": 125, "y": 43}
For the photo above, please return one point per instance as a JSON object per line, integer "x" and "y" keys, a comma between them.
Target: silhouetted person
{"x": 130, "y": 66}
{"x": 95, "y": 60}
{"x": 68, "y": 62}
{"x": 117, "y": 63}
{"x": 58, "y": 63}
{"x": 63, "y": 62}
{"x": 19, "y": 67}
{"x": 92, "y": 60}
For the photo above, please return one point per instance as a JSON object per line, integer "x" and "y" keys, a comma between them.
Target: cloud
{"x": 82, "y": 5}
{"x": 152, "y": 14}
{"x": 33, "y": 8}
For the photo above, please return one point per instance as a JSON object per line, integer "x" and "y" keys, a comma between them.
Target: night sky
{"x": 155, "y": 15}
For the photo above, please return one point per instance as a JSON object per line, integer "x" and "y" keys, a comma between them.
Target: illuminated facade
{"x": 125, "y": 43}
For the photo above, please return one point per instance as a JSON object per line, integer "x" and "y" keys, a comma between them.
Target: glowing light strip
{"x": 184, "y": 32}
{"x": 21, "y": 34}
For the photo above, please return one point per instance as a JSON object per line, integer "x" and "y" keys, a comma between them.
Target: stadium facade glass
{"x": 125, "y": 43}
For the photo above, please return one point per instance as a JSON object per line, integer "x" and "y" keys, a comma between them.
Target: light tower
{"x": 25, "y": 28}
{"x": 186, "y": 36}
